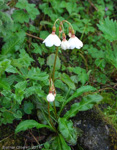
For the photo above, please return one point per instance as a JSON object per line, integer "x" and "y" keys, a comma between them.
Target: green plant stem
{"x": 53, "y": 73}
{"x": 50, "y": 117}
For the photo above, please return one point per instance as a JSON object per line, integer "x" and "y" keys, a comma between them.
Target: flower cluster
{"x": 54, "y": 40}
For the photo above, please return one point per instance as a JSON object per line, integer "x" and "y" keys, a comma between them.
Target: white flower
{"x": 75, "y": 42}
{"x": 50, "y": 97}
{"x": 52, "y": 39}
{"x": 65, "y": 44}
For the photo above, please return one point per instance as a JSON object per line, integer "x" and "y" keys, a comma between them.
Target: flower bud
{"x": 73, "y": 33}
{"x": 64, "y": 36}
{"x": 70, "y": 30}
{"x": 54, "y": 29}
{"x": 50, "y": 97}
{"x": 60, "y": 29}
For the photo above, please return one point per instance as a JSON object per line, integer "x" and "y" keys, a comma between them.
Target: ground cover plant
{"x": 54, "y": 63}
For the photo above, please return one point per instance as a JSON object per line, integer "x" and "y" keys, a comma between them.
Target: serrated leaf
{"x": 66, "y": 79}
{"x": 36, "y": 74}
{"x": 30, "y": 8}
{"x": 4, "y": 65}
{"x": 24, "y": 60}
{"x": 109, "y": 28}
{"x": 11, "y": 69}
{"x": 37, "y": 48}
{"x": 12, "y": 41}
{"x": 4, "y": 84}
{"x": 21, "y": 85}
{"x": 67, "y": 130}
{"x": 29, "y": 124}
{"x": 20, "y": 16}
{"x": 85, "y": 104}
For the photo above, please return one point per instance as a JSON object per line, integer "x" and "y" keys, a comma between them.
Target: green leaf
{"x": 58, "y": 144}
{"x": 44, "y": 34}
{"x": 85, "y": 104}
{"x": 29, "y": 124}
{"x": 80, "y": 91}
{"x": 24, "y": 60}
{"x": 11, "y": 69}
{"x": 45, "y": 22}
{"x": 30, "y": 8}
{"x": 77, "y": 93}
{"x": 63, "y": 143}
{"x": 36, "y": 74}
{"x": 82, "y": 75}
{"x": 18, "y": 114}
{"x": 28, "y": 106}
{"x": 66, "y": 79}
{"x": 4, "y": 65}
{"x": 50, "y": 61}
{"x": 37, "y": 49}
{"x": 20, "y": 16}
{"x": 109, "y": 29}
{"x": 20, "y": 91}
{"x": 14, "y": 40}
{"x": 4, "y": 84}
{"x": 21, "y": 85}
{"x": 67, "y": 130}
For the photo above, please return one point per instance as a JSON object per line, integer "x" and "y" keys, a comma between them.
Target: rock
{"x": 96, "y": 132}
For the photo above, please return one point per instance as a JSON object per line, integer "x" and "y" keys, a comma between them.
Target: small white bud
{"x": 50, "y": 97}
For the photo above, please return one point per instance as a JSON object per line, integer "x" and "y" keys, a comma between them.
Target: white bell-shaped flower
{"x": 65, "y": 44}
{"x": 75, "y": 42}
{"x": 50, "y": 97}
{"x": 52, "y": 39}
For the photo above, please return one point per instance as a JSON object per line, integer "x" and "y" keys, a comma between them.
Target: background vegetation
{"x": 25, "y": 63}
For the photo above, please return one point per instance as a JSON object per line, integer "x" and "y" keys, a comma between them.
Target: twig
{"x": 36, "y": 37}
{"x": 34, "y": 138}
{"x": 92, "y": 5}
{"x": 6, "y": 138}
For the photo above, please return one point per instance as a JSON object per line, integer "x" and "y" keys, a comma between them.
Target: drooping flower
{"x": 75, "y": 42}
{"x": 50, "y": 97}
{"x": 64, "y": 44}
{"x": 52, "y": 39}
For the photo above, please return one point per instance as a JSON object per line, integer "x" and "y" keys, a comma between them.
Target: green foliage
{"x": 50, "y": 61}
{"x": 68, "y": 131}
{"x": 26, "y": 65}
{"x": 109, "y": 28}
{"x": 86, "y": 104}
{"x": 66, "y": 79}
{"x": 29, "y": 124}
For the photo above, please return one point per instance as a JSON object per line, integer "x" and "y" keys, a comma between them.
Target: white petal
{"x": 65, "y": 45}
{"x": 57, "y": 41}
{"x": 75, "y": 43}
{"x": 49, "y": 41}
{"x": 79, "y": 43}
{"x": 50, "y": 97}
{"x": 72, "y": 43}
